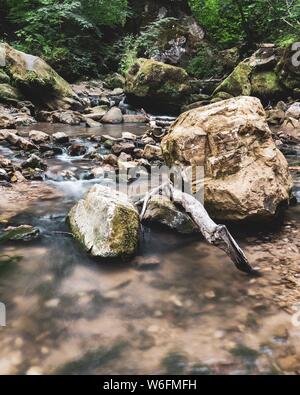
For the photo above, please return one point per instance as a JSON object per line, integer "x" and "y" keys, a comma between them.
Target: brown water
{"x": 191, "y": 313}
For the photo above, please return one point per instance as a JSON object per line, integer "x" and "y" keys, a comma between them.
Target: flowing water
{"x": 190, "y": 312}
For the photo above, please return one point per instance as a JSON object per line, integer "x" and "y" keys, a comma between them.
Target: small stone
{"x": 60, "y": 137}
{"x": 52, "y": 303}
{"x": 210, "y": 295}
{"x": 113, "y": 116}
{"x": 125, "y": 157}
{"x": 77, "y": 149}
{"x": 126, "y": 147}
{"x": 34, "y": 162}
{"x": 128, "y": 136}
{"x": 281, "y": 332}
{"x": 20, "y": 233}
{"x": 152, "y": 152}
{"x": 139, "y": 118}
{"x": 45, "y": 350}
{"x": 91, "y": 123}
{"x": 176, "y": 301}
{"x": 34, "y": 371}
{"x": 158, "y": 314}
{"x": 153, "y": 329}
{"x": 219, "y": 334}
{"x": 38, "y": 137}
{"x": 111, "y": 160}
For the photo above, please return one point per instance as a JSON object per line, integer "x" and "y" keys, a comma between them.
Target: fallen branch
{"x": 215, "y": 234}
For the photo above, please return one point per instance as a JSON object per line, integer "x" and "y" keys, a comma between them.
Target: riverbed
{"x": 190, "y": 312}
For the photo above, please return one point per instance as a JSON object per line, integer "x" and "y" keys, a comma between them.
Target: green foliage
{"x": 206, "y": 63}
{"x": 153, "y": 39}
{"x": 229, "y": 22}
{"x": 128, "y": 50}
{"x": 67, "y": 34}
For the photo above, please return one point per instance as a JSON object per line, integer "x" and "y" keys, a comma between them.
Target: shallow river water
{"x": 191, "y": 312}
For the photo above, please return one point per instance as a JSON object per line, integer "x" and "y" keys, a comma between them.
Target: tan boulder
{"x": 245, "y": 175}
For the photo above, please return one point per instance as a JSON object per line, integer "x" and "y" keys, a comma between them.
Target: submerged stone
{"x": 20, "y": 233}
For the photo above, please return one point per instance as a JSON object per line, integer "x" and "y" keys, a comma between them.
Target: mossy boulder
{"x": 32, "y": 76}
{"x": 266, "y": 84}
{"x": 9, "y": 94}
{"x": 156, "y": 84}
{"x": 238, "y": 82}
{"x": 268, "y": 74}
{"x": 4, "y": 78}
{"x": 114, "y": 81}
{"x": 105, "y": 223}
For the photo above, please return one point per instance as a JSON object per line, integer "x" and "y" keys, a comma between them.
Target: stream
{"x": 191, "y": 312}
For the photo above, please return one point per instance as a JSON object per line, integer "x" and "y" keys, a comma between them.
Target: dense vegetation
{"x": 84, "y": 38}
{"x": 229, "y": 22}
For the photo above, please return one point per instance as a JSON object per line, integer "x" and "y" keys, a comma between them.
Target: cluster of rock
{"x": 105, "y": 153}
{"x": 31, "y": 90}
{"x": 284, "y": 119}
{"x": 245, "y": 176}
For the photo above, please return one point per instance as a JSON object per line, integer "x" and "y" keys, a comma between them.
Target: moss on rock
{"x": 266, "y": 85}
{"x": 33, "y": 77}
{"x": 155, "y": 81}
{"x": 9, "y": 94}
{"x": 4, "y": 78}
{"x": 105, "y": 223}
{"x": 238, "y": 82}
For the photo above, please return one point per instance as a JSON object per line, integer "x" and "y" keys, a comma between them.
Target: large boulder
{"x": 268, "y": 74}
{"x": 245, "y": 175}
{"x": 106, "y": 223}
{"x": 155, "y": 85}
{"x": 31, "y": 77}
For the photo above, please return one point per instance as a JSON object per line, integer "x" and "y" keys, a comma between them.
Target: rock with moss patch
{"x": 106, "y": 223}
{"x": 33, "y": 77}
{"x": 9, "y": 94}
{"x": 266, "y": 85}
{"x": 20, "y": 233}
{"x": 156, "y": 84}
{"x": 268, "y": 74}
{"x": 238, "y": 82}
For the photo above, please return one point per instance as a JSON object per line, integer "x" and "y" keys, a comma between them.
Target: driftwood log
{"x": 215, "y": 234}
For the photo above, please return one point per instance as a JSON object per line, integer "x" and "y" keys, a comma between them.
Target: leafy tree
{"x": 68, "y": 34}
{"x": 231, "y": 21}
